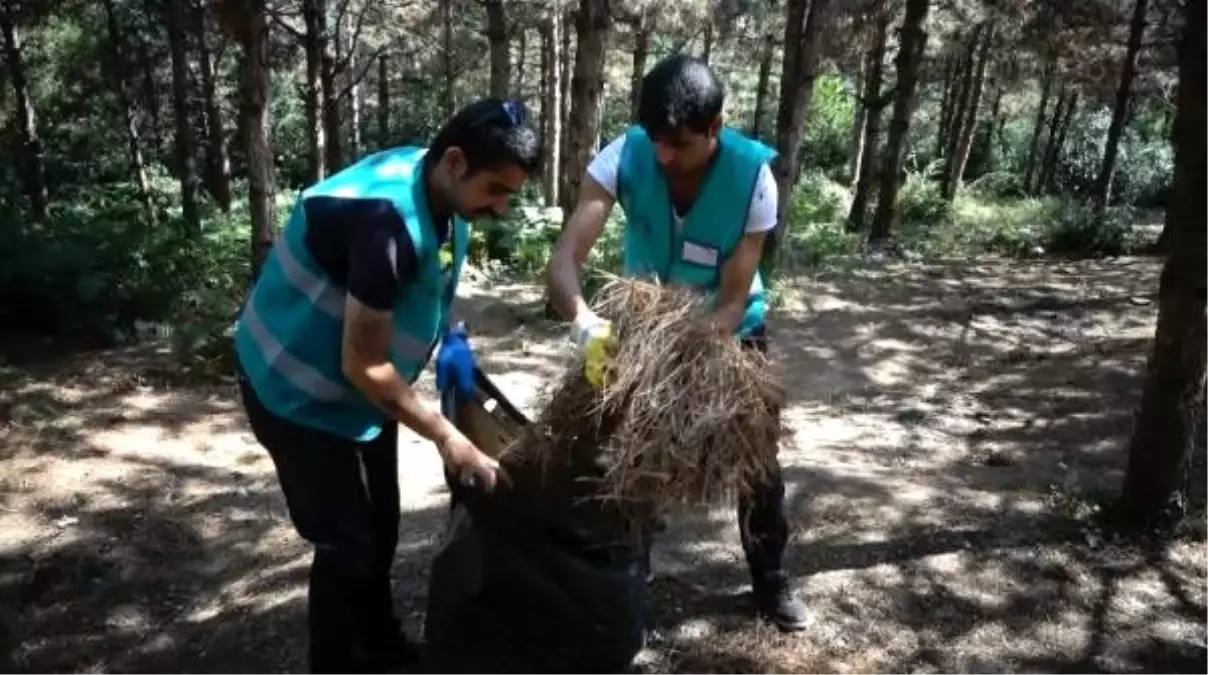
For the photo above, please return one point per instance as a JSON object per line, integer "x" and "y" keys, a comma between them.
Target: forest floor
{"x": 954, "y": 425}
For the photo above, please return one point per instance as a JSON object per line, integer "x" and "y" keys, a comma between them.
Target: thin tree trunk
{"x": 497, "y": 37}
{"x": 518, "y": 88}
{"x": 1107, "y": 171}
{"x": 910, "y": 55}
{"x": 966, "y": 119}
{"x": 859, "y": 118}
{"x": 987, "y": 139}
{"x": 151, "y": 99}
{"x": 248, "y": 22}
{"x": 218, "y": 163}
{"x": 593, "y": 23}
{"x": 874, "y": 64}
{"x": 707, "y": 49}
{"x": 447, "y": 99}
{"x": 314, "y": 13}
{"x": 1169, "y": 427}
{"x": 765, "y": 76}
{"x": 34, "y": 175}
{"x": 120, "y": 74}
{"x": 383, "y": 102}
{"x": 330, "y": 100}
{"x": 1052, "y": 155}
{"x": 552, "y": 109}
{"x": 942, "y": 134}
{"x": 802, "y": 45}
{"x": 354, "y": 95}
{"x": 641, "y": 48}
{"x": 1046, "y": 91}
{"x": 186, "y": 143}
{"x": 567, "y": 64}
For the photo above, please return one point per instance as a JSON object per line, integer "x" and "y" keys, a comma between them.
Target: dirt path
{"x": 951, "y": 424}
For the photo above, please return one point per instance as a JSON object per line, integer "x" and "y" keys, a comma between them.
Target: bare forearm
{"x": 383, "y": 385}
{"x": 563, "y": 276}
{"x": 728, "y": 317}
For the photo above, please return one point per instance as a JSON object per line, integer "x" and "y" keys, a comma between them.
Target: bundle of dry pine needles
{"x": 687, "y": 416}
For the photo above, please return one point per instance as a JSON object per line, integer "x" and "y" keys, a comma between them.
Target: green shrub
{"x": 998, "y": 185}
{"x": 1079, "y": 231}
{"x": 815, "y": 244}
{"x": 921, "y": 203}
{"x": 817, "y": 199}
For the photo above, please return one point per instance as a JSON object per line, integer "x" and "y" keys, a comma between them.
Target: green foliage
{"x": 817, "y": 199}
{"x": 920, "y": 202}
{"x": 1079, "y": 231}
{"x": 826, "y": 144}
{"x": 997, "y": 185}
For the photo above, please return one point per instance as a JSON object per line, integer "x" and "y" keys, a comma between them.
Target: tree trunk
{"x": 858, "y": 119}
{"x": 942, "y": 134}
{"x": 186, "y": 143}
{"x": 551, "y": 106}
{"x": 874, "y": 65}
{"x": 383, "y": 102}
{"x": 1107, "y": 171}
{"x": 354, "y": 95}
{"x": 707, "y": 48}
{"x": 151, "y": 99}
{"x": 119, "y": 68}
{"x": 518, "y": 88}
{"x": 966, "y": 120}
{"x": 641, "y": 48}
{"x": 1046, "y": 91}
{"x": 910, "y": 55}
{"x": 987, "y": 139}
{"x": 497, "y": 37}
{"x": 248, "y": 22}
{"x": 314, "y": 13}
{"x": 765, "y": 76}
{"x": 33, "y": 177}
{"x": 593, "y": 23}
{"x": 1170, "y": 423}
{"x": 218, "y": 164}
{"x": 448, "y": 103}
{"x": 330, "y": 100}
{"x": 1061, "y": 123}
{"x": 802, "y": 44}
{"x": 566, "y": 64}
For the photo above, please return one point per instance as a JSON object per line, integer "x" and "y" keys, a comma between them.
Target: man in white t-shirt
{"x": 699, "y": 200}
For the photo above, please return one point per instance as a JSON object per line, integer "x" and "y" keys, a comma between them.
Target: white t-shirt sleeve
{"x": 606, "y": 165}
{"x": 761, "y": 217}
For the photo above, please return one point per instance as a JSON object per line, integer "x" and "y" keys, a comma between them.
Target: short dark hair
{"x": 681, "y": 91}
{"x": 492, "y": 133}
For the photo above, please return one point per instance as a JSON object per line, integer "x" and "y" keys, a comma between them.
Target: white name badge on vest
{"x": 697, "y": 254}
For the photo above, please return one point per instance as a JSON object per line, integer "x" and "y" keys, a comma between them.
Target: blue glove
{"x": 455, "y": 363}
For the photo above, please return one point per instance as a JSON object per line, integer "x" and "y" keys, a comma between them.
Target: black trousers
{"x": 762, "y": 518}
{"x": 343, "y": 498}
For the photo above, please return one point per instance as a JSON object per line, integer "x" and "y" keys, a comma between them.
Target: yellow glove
{"x": 593, "y": 335}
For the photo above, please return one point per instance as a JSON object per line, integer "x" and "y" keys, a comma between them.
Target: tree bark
{"x": 761, "y": 89}
{"x": 707, "y": 47}
{"x": 874, "y": 65}
{"x": 551, "y": 107}
{"x": 186, "y": 143}
{"x": 314, "y": 13}
{"x": 593, "y": 23}
{"x": 383, "y": 102}
{"x": 970, "y": 104}
{"x": 987, "y": 137}
{"x": 859, "y": 119}
{"x": 354, "y": 95}
{"x": 330, "y": 98}
{"x": 151, "y": 99}
{"x": 1170, "y": 423}
{"x": 641, "y": 48}
{"x": 248, "y": 22}
{"x": 448, "y": 103}
{"x": 566, "y": 65}
{"x": 1046, "y": 90}
{"x": 218, "y": 163}
{"x": 497, "y": 37}
{"x": 33, "y": 177}
{"x": 802, "y": 44}
{"x": 1107, "y": 171}
{"x": 521, "y": 53}
{"x": 910, "y": 55}
{"x": 1061, "y": 123}
{"x": 120, "y": 70}
{"x": 942, "y": 134}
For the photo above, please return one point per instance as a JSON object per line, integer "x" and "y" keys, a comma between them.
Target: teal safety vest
{"x": 694, "y": 254}
{"x": 289, "y": 335}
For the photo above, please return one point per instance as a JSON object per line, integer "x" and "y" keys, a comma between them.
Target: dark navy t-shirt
{"x": 363, "y": 246}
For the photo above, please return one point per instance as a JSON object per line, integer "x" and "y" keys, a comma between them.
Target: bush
{"x": 815, "y": 244}
{"x": 817, "y": 199}
{"x": 1078, "y": 231}
{"x": 998, "y": 185}
{"x": 920, "y": 202}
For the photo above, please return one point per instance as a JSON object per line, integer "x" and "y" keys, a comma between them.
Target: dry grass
{"x": 686, "y": 415}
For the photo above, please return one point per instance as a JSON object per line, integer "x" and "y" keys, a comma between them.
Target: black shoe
{"x": 392, "y": 651}
{"x": 776, "y": 602}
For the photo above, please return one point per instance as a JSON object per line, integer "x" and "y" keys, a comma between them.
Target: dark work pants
{"x": 343, "y": 498}
{"x": 762, "y": 519}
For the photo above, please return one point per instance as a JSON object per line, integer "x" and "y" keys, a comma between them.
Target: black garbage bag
{"x": 538, "y": 577}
